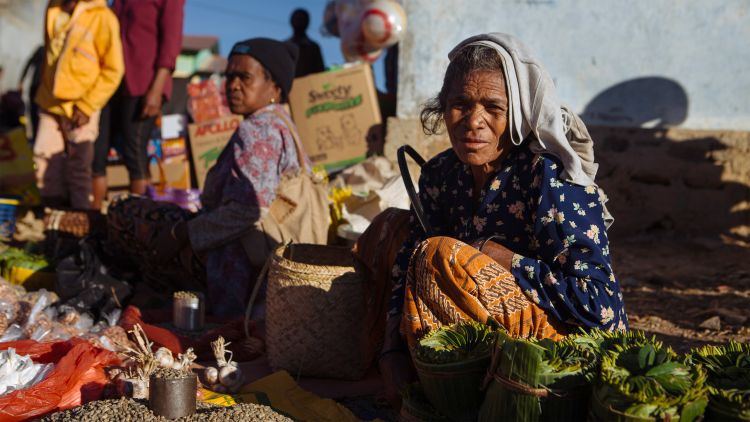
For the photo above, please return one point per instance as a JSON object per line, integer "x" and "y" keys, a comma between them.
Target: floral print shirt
{"x": 238, "y": 188}
{"x": 555, "y": 228}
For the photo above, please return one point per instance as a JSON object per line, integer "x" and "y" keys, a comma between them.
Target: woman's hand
{"x": 496, "y": 251}
{"x": 170, "y": 240}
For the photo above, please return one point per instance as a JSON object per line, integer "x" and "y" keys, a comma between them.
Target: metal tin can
{"x": 188, "y": 311}
{"x": 172, "y": 398}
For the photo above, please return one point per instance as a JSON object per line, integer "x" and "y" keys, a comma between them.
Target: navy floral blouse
{"x": 555, "y": 228}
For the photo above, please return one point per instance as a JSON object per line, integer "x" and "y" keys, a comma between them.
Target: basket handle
{"x": 409, "y": 185}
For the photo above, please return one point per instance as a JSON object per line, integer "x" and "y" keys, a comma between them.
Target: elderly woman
{"x": 518, "y": 225}
{"x": 239, "y": 189}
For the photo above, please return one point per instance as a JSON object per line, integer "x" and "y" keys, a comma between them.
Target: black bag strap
{"x": 415, "y": 203}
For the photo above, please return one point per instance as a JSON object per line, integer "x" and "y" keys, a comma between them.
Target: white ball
{"x": 383, "y": 23}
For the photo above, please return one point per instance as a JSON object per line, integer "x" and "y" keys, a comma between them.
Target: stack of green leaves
{"x": 642, "y": 380}
{"x": 601, "y": 341}
{"x": 728, "y": 370}
{"x": 539, "y": 380}
{"x": 451, "y": 364}
{"x": 459, "y": 342}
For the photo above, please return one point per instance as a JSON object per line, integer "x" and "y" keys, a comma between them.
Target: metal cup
{"x": 189, "y": 313}
{"x": 172, "y": 398}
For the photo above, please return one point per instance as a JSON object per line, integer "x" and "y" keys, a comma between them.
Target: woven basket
{"x": 454, "y": 388}
{"x": 315, "y": 312}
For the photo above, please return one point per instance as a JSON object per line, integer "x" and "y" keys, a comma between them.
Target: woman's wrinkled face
{"x": 247, "y": 87}
{"x": 476, "y": 117}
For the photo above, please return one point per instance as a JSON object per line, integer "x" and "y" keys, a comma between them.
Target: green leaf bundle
{"x": 451, "y": 364}
{"x": 728, "y": 369}
{"x": 643, "y": 380}
{"x": 461, "y": 341}
{"x": 539, "y": 380}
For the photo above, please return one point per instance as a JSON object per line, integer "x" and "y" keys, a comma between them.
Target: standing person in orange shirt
{"x": 82, "y": 68}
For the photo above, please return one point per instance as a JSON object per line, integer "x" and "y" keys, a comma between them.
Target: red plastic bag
{"x": 77, "y": 378}
{"x": 232, "y": 330}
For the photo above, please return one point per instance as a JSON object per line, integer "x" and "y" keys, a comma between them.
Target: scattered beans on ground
{"x": 127, "y": 410}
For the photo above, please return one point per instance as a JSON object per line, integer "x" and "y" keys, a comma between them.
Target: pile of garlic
{"x": 20, "y": 372}
{"x": 228, "y": 377}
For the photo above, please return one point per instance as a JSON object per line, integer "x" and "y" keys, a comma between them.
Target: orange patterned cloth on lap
{"x": 449, "y": 281}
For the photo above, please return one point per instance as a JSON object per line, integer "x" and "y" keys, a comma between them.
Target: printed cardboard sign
{"x": 207, "y": 140}
{"x": 334, "y": 113}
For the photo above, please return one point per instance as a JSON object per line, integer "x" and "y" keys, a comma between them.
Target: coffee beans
{"x": 130, "y": 410}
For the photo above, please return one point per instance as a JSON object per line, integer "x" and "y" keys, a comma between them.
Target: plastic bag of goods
{"x": 76, "y": 378}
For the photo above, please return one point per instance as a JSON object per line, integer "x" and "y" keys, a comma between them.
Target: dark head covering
{"x": 278, "y": 57}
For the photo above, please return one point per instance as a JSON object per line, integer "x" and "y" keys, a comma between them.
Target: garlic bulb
{"x": 212, "y": 375}
{"x": 164, "y": 357}
{"x": 230, "y": 375}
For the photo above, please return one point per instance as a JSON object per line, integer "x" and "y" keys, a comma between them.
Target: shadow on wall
{"x": 660, "y": 179}
{"x": 652, "y": 102}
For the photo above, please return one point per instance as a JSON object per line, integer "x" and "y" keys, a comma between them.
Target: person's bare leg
{"x": 138, "y": 186}
{"x": 99, "y": 191}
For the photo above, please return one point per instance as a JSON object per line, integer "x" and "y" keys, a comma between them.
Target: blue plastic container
{"x": 8, "y": 207}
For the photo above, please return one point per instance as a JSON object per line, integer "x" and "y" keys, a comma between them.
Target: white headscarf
{"x": 535, "y": 108}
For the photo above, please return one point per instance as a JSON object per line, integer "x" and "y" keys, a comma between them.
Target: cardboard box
{"x": 173, "y": 126}
{"x": 334, "y": 113}
{"x": 176, "y": 172}
{"x": 207, "y": 140}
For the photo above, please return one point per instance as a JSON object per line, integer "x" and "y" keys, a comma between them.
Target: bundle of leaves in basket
{"x": 601, "y": 341}
{"x": 645, "y": 381}
{"x": 532, "y": 380}
{"x": 416, "y": 408}
{"x": 451, "y": 364}
{"x": 728, "y": 370}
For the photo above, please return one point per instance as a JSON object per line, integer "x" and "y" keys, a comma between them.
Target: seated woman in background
{"x": 165, "y": 240}
{"x": 518, "y": 235}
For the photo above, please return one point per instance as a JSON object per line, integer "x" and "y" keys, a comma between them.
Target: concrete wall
{"x": 635, "y": 63}
{"x": 659, "y": 82}
{"x": 21, "y": 31}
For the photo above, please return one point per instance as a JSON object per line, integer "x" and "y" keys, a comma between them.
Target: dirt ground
{"x": 686, "y": 291}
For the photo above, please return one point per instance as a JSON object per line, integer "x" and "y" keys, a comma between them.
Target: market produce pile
{"x": 38, "y": 316}
{"x": 728, "y": 370}
{"x": 595, "y": 376}
{"x": 132, "y": 410}
{"x": 646, "y": 380}
{"x": 539, "y": 379}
